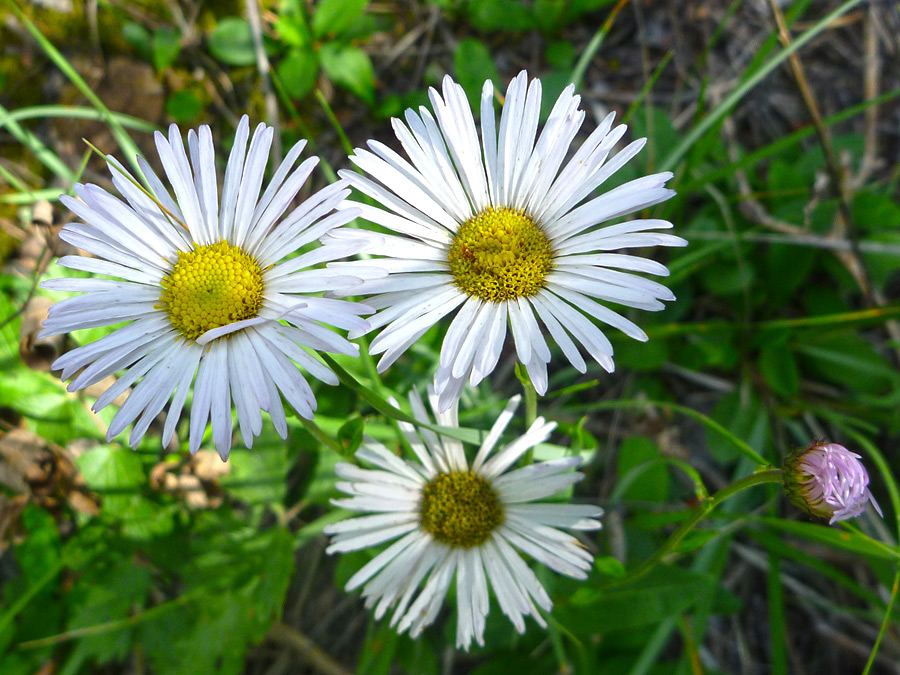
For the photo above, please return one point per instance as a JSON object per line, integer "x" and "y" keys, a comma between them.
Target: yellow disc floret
{"x": 500, "y": 254}
{"x": 209, "y": 287}
{"x": 460, "y": 509}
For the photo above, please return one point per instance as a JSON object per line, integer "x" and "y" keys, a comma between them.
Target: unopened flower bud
{"x": 829, "y": 481}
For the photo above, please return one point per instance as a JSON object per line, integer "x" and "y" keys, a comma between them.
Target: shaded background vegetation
{"x": 785, "y": 329}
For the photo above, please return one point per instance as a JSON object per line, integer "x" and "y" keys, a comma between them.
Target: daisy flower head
{"x": 449, "y": 518}
{"x": 504, "y": 230}
{"x": 828, "y": 481}
{"x": 202, "y": 283}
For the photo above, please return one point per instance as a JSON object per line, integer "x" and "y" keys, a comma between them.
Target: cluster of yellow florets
{"x": 500, "y": 254}
{"x": 211, "y": 286}
{"x": 460, "y": 509}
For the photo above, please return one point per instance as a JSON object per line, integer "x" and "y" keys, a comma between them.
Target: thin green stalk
{"x": 41, "y": 152}
{"x": 78, "y": 113}
{"x": 321, "y": 436}
{"x": 648, "y": 85}
{"x": 110, "y": 626}
{"x": 122, "y": 138}
{"x": 23, "y": 600}
{"x": 784, "y": 143}
{"x": 474, "y": 436}
{"x": 777, "y": 619}
{"x": 530, "y": 394}
{"x": 884, "y": 623}
{"x": 700, "y": 512}
{"x": 739, "y": 444}
{"x": 335, "y": 122}
{"x": 584, "y": 60}
{"x": 740, "y": 91}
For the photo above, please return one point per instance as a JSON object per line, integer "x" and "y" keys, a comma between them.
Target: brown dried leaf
{"x": 38, "y": 353}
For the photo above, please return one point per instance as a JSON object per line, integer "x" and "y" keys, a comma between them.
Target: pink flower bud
{"x": 829, "y": 481}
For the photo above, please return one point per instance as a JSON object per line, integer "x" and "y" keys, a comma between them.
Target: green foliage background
{"x": 773, "y": 341}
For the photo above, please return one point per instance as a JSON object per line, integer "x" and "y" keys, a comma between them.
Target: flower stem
{"x": 530, "y": 395}
{"x": 702, "y": 510}
{"x": 530, "y": 406}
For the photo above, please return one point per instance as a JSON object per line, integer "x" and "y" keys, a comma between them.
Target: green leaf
{"x": 110, "y": 592}
{"x": 232, "y": 42}
{"x": 850, "y": 361}
{"x": 495, "y": 15}
{"x": 350, "y": 435}
{"x": 258, "y": 475}
{"x": 292, "y": 29}
{"x": 833, "y": 537}
{"x": 298, "y": 71}
{"x": 350, "y": 68}
{"x": 333, "y": 17}
{"x": 115, "y": 473}
{"x": 779, "y": 369}
{"x": 650, "y": 480}
{"x": 166, "y": 46}
{"x": 742, "y": 413}
{"x": 560, "y": 54}
{"x": 666, "y": 592}
{"x": 241, "y": 577}
{"x": 184, "y": 106}
{"x": 473, "y": 64}
{"x": 138, "y": 37}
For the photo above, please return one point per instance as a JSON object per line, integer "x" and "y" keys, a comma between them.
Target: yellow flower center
{"x": 209, "y": 287}
{"x": 460, "y": 509}
{"x": 499, "y": 255}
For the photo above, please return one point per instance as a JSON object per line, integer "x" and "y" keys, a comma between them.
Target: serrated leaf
{"x": 333, "y": 17}
{"x": 350, "y": 68}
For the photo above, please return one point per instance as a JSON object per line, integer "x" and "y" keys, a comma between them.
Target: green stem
{"x": 530, "y": 406}
{"x": 321, "y": 436}
{"x": 884, "y": 624}
{"x": 739, "y": 92}
{"x": 592, "y": 47}
{"x": 740, "y": 445}
{"x": 703, "y": 510}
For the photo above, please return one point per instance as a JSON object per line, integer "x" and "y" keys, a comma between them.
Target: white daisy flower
{"x": 203, "y": 289}
{"x": 500, "y": 230}
{"x": 455, "y": 519}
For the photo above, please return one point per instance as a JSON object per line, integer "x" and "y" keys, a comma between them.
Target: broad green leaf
{"x": 560, "y": 54}
{"x": 649, "y": 482}
{"x": 232, "y": 42}
{"x": 333, "y": 17}
{"x": 108, "y": 593}
{"x": 184, "y": 106}
{"x": 832, "y": 536}
{"x": 298, "y": 71}
{"x": 666, "y": 592}
{"x": 116, "y": 474}
{"x": 742, "y": 413}
{"x": 473, "y": 64}
{"x": 258, "y": 475}
{"x": 138, "y": 37}
{"x": 494, "y": 15}
{"x": 350, "y": 68}
{"x": 848, "y": 360}
{"x": 779, "y": 369}
{"x": 166, "y": 46}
